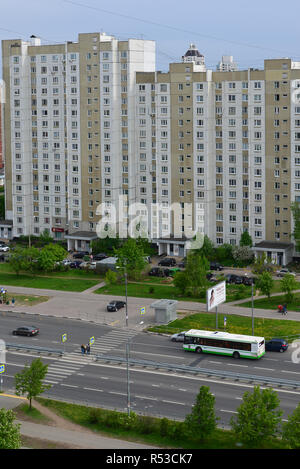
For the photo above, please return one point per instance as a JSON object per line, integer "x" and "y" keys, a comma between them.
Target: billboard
{"x": 216, "y": 295}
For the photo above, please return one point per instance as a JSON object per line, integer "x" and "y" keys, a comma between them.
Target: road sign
{"x": 64, "y": 338}
{"x": 143, "y": 310}
{"x": 2, "y": 368}
{"x": 92, "y": 340}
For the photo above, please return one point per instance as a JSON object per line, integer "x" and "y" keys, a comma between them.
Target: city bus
{"x": 223, "y": 343}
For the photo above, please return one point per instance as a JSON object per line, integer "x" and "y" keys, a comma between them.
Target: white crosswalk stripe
{"x": 71, "y": 363}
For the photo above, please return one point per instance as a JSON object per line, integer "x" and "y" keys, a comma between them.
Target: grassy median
{"x": 235, "y": 324}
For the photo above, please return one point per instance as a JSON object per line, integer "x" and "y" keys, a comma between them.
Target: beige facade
{"x": 93, "y": 122}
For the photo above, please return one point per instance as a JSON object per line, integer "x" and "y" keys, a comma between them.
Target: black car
{"x": 26, "y": 330}
{"x": 80, "y": 255}
{"x": 168, "y": 262}
{"x": 75, "y": 264}
{"x": 115, "y": 305}
{"x": 215, "y": 266}
{"x": 156, "y": 272}
{"x": 248, "y": 280}
{"x": 233, "y": 278}
{"x": 99, "y": 257}
{"x": 276, "y": 345}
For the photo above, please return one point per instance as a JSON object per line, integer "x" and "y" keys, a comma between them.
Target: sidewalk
{"x": 91, "y": 307}
{"x": 64, "y": 434}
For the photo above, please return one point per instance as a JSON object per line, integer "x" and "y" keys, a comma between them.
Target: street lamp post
{"x": 252, "y": 306}
{"x": 126, "y": 299}
{"x": 128, "y": 382}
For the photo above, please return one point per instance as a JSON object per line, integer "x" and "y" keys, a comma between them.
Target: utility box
{"x": 165, "y": 311}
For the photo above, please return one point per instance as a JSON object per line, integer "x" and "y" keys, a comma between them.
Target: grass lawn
{"x": 267, "y": 328}
{"x": 273, "y": 302}
{"x": 22, "y": 300}
{"x": 49, "y": 283}
{"x": 157, "y": 291}
{"x": 71, "y": 273}
{"x": 149, "y": 432}
{"x": 141, "y": 290}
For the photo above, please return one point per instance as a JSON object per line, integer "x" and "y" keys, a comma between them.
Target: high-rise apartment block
{"x": 93, "y": 122}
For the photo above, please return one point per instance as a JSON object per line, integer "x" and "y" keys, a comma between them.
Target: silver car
{"x": 179, "y": 337}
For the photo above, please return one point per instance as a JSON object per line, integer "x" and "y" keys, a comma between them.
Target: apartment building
{"x": 92, "y": 124}
{"x": 226, "y": 145}
{"x": 70, "y": 131}
{"x": 1, "y": 154}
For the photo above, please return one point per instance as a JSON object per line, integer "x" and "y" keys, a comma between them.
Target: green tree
{"x": 288, "y": 285}
{"x": 265, "y": 283}
{"x": 262, "y": 264}
{"x": 9, "y": 431}
{"x": 291, "y": 429}
{"x": 29, "y": 381}
{"x": 105, "y": 245}
{"x": 131, "y": 258}
{"x": 50, "y": 255}
{"x": 224, "y": 252}
{"x": 111, "y": 277}
{"x": 181, "y": 282}
{"x": 295, "y": 207}
{"x": 246, "y": 239}
{"x": 208, "y": 249}
{"x": 258, "y": 417}
{"x": 23, "y": 258}
{"x": 196, "y": 270}
{"x": 202, "y": 421}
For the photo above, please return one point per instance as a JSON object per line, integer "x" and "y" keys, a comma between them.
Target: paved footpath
{"x": 89, "y": 306}
{"x": 65, "y": 433}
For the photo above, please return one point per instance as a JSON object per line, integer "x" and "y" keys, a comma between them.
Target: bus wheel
{"x": 236, "y": 355}
{"x": 199, "y": 350}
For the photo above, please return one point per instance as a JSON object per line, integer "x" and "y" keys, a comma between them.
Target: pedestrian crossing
{"x": 72, "y": 362}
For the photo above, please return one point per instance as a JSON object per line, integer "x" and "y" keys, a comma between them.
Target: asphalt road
{"x": 80, "y": 379}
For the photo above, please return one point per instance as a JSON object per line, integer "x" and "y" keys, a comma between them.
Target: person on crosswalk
{"x": 83, "y": 349}
{"x": 88, "y": 348}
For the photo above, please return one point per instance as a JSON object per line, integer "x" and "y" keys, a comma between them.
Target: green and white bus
{"x": 223, "y": 343}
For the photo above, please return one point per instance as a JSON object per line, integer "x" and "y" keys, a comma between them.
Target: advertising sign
{"x": 216, "y": 295}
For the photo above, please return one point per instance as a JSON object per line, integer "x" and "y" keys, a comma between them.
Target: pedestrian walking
{"x": 284, "y": 310}
{"x": 88, "y": 349}
{"x": 83, "y": 349}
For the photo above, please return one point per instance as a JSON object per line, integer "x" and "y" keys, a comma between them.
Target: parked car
{"x": 66, "y": 262}
{"x": 215, "y": 266}
{"x": 156, "y": 272}
{"x": 115, "y": 305}
{"x": 80, "y": 255}
{"x": 172, "y": 271}
{"x": 283, "y": 272}
{"x": 26, "y": 330}
{"x": 249, "y": 280}
{"x": 4, "y": 248}
{"x": 276, "y": 345}
{"x": 168, "y": 262}
{"x": 75, "y": 264}
{"x": 233, "y": 278}
{"x": 99, "y": 257}
{"x": 179, "y": 337}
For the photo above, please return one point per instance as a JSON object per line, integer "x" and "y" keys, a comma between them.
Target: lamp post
{"x": 252, "y": 306}
{"x": 126, "y": 308}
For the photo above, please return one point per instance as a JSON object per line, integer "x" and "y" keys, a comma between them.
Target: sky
{"x": 250, "y": 31}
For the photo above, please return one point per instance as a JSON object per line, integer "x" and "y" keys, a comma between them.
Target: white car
{"x": 4, "y": 248}
{"x": 283, "y": 272}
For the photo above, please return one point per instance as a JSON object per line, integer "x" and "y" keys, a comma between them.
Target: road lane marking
{"x": 265, "y": 369}
{"x": 92, "y": 389}
{"x": 69, "y": 385}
